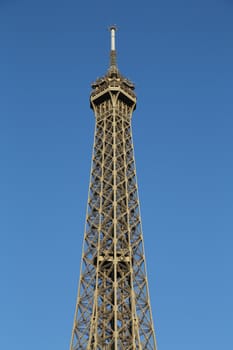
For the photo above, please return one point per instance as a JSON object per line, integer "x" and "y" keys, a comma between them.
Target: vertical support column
{"x": 135, "y": 335}
{"x": 115, "y": 334}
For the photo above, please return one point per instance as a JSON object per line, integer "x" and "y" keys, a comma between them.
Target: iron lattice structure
{"x": 113, "y": 308}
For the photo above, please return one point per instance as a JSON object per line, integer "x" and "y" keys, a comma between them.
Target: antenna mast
{"x": 113, "y": 62}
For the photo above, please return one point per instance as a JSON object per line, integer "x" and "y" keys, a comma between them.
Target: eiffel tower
{"x": 113, "y": 307}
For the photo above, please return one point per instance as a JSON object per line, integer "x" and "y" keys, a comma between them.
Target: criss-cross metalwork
{"x": 113, "y": 308}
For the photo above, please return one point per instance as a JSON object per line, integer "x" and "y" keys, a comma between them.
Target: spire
{"x": 113, "y": 63}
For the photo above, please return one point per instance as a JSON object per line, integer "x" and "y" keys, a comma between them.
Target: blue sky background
{"x": 180, "y": 55}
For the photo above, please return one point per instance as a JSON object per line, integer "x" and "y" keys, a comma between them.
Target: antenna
{"x": 113, "y": 63}
{"x": 113, "y": 30}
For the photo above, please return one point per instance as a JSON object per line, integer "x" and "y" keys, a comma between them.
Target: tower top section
{"x": 113, "y": 83}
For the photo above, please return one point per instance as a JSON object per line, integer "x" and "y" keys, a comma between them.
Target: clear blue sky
{"x": 180, "y": 56}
